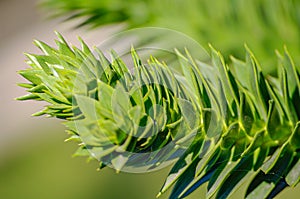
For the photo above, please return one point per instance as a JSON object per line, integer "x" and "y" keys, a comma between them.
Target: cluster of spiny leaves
{"x": 122, "y": 117}
{"x": 264, "y": 25}
{"x": 243, "y": 126}
{"x": 260, "y": 131}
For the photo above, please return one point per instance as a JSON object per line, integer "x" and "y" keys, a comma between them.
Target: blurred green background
{"x": 264, "y": 25}
{"x": 35, "y": 163}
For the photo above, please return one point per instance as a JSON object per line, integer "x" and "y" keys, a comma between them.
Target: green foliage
{"x": 264, "y": 25}
{"x": 115, "y": 112}
{"x": 233, "y": 124}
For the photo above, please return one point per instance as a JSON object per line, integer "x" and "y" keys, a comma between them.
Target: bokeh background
{"x": 35, "y": 163}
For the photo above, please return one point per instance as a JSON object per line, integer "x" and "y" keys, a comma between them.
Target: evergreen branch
{"x": 263, "y": 24}
{"x": 225, "y": 124}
